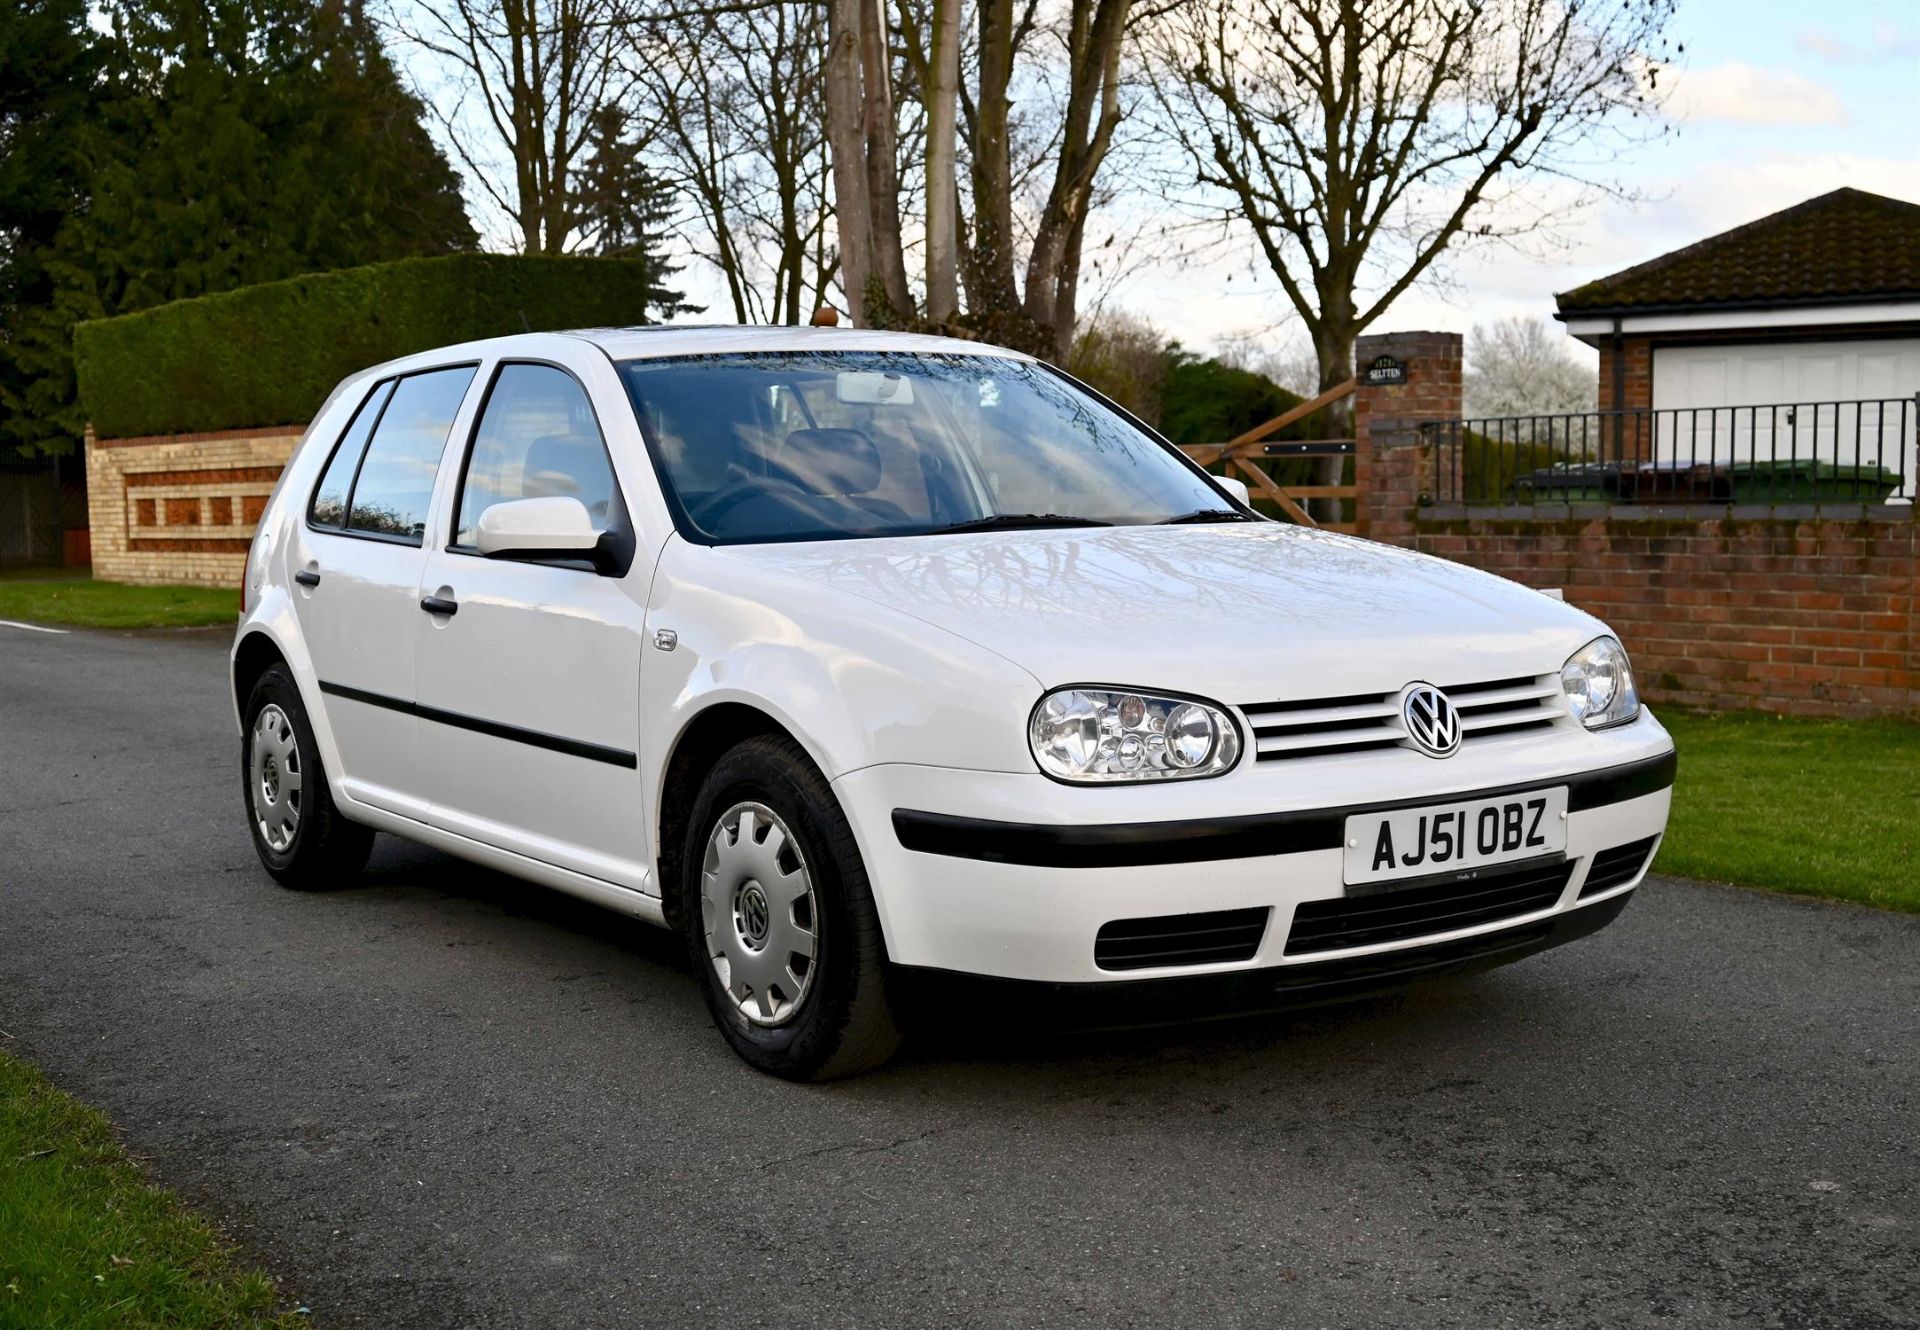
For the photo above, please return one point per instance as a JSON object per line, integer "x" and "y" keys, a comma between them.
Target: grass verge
{"x": 1815, "y": 807}
{"x": 86, "y": 1241}
{"x": 81, "y": 602}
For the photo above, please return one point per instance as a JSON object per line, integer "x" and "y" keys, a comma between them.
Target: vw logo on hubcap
{"x": 750, "y": 915}
{"x": 1432, "y": 723}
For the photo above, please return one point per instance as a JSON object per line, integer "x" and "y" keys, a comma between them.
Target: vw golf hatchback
{"x": 847, "y": 653}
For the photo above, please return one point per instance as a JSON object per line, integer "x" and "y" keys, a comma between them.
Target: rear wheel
{"x": 300, "y": 836}
{"x": 779, "y": 919}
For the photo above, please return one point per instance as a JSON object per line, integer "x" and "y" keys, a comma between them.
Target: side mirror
{"x": 1236, "y": 489}
{"x": 558, "y": 526}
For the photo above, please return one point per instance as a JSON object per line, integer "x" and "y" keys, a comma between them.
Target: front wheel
{"x": 297, "y": 832}
{"x": 779, "y": 919}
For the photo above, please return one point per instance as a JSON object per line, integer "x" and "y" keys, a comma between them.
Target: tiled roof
{"x": 1844, "y": 246}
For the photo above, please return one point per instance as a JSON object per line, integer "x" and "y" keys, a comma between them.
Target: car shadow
{"x": 951, "y": 1032}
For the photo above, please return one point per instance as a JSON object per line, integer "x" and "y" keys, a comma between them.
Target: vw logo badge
{"x": 1432, "y": 723}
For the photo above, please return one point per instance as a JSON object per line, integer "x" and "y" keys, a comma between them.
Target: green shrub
{"x": 270, "y": 354}
{"x": 1205, "y": 401}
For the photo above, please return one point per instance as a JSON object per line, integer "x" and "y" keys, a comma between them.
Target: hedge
{"x": 269, "y": 354}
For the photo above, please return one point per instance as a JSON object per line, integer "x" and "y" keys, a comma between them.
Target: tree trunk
{"x": 1096, "y": 30}
{"x": 883, "y": 173}
{"x": 943, "y": 295}
{"x": 1333, "y": 343}
{"x": 990, "y": 285}
{"x": 845, "y": 133}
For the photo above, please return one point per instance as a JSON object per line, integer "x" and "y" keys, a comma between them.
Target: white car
{"x": 849, "y": 653}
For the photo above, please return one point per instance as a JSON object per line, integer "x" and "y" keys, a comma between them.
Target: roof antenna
{"x": 523, "y": 320}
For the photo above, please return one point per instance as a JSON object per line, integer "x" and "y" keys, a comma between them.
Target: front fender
{"x": 855, "y": 683}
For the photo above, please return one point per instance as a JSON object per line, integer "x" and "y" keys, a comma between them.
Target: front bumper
{"x": 1013, "y": 876}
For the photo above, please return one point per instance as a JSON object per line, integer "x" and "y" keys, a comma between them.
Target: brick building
{"x": 1817, "y": 303}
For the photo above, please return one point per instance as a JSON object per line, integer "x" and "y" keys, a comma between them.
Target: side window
{"x": 537, "y": 438}
{"x": 390, "y": 495}
{"x": 329, "y": 506}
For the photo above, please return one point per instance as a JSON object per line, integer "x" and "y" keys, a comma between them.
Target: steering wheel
{"x": 736, "y": 492}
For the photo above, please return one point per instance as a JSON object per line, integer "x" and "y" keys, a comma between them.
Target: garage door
{"x": 1846, "y": 402}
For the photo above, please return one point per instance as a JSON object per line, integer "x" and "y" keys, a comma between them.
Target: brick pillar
{"x": 1392, "y": 465}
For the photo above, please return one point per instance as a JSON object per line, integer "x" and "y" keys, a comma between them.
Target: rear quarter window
{"x": 329, "y": 507}
{"x": 389, "y": 456}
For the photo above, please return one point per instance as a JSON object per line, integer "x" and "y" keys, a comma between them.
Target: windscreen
{"x": 825, "y": 445}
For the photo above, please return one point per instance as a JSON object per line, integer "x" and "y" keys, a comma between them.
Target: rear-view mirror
{"x": 869, "y": 387}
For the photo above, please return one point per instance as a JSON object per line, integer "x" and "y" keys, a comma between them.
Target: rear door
{"x": 357, "y": 562}
{"x": 529, "y": 680}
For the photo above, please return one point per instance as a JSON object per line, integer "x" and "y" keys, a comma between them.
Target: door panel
{"x": 529, "y": 692}
{"x": 358, "y": 624}
{"x": 357, "y": 562}
{"x": 548, "y": 661}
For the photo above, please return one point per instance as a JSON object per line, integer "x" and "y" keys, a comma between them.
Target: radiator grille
{"x": 1612, "y": 867}
{"x": 1316, "y": 727}
{"x": 1394, "y": 916}
{"x": 1180, "y": 939}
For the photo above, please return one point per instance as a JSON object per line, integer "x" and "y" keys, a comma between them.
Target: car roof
{"x": 722, "y": 339}
{"x": 662, "y": 340}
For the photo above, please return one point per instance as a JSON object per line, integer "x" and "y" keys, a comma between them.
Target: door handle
{"x": 307, "y": 577}
{"x": 439, "y": 605}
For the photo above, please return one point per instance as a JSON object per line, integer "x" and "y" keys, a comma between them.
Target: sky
{"x": 1776, "y": 101}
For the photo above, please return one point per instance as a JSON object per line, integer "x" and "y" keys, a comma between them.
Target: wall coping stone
{"x": 1696, "y": 513}
{"x": 209, "y": 436}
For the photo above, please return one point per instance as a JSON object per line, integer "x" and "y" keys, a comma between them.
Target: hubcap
{"x": 274, "y": 765}
{"x": 758, "y": 911}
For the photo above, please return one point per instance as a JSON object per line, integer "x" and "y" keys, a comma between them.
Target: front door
{"x": 357, "y": 561}
{"x": 528, "y": 681}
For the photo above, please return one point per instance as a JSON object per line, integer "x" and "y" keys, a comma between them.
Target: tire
{"x": 831, "y": 1016}
{"x": 301, "y": 838}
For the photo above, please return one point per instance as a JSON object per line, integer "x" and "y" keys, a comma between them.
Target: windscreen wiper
{"x": 1206, "y": 515}
{"x": 1015, "y": 521}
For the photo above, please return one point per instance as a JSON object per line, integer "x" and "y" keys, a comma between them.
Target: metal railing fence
{"x": 1848, "y": 451}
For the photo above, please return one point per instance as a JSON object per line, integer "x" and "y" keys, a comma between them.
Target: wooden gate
{"x": 1236, "y": 457}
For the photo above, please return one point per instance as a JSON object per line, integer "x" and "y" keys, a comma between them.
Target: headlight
{"x": 1599, "y": 685}
{"x": 1104, "y": 735}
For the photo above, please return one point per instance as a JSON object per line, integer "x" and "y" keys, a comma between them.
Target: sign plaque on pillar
{"x": 1384, "y": 372}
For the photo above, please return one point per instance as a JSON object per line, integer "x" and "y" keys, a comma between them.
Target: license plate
{"x": 1442, "y": 840}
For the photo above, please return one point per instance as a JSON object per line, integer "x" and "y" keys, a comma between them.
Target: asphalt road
{"x": 441, "y": 1098}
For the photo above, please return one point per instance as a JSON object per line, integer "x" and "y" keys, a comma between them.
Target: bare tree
{"x": 862, "y": 128}
{"x": 1358, "y": 139}
{"x": 736, "y": 105}
{"x": 1520, "y": 367}
{"x": 1091, "y": 36}
{"x": 538, "y": 70}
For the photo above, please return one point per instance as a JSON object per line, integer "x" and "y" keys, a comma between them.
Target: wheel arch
{"x": 253, "y": 656}
{"x": 701, "y": 742}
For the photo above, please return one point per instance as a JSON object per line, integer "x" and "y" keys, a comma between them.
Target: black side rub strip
{"x": 1135, "y": 844}
{"x": 553, "y": 743}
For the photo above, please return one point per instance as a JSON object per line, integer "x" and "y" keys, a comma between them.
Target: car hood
{"x": 1240, "y": 613}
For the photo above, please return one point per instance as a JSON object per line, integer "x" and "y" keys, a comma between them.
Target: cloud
{"x": 1743, "y": 94}
{"x": 1818, "y": 41}
{"x": 1891, "y": 43}
{"x": 1885, "y": 41}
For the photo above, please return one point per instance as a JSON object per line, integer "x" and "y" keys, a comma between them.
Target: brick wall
{"x": 179, "y": 509}
{"x": 1809, "y": 617}
{"x": 1723, "y": 610}
{"x": 1637, "y": 388}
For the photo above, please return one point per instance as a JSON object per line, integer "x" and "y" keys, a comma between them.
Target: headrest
{"x": 566, "y": 466}
{"x": 831, "y": 461}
